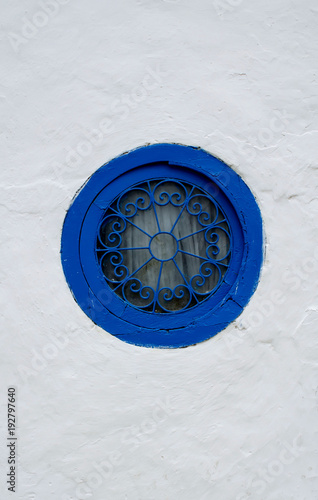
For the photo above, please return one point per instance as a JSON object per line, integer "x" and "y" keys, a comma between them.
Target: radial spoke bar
{"x": 110, "y": 249}
{"x": 186, "y": 282}
{"x": 132, "y": 274}
{"x": 154, "y": 206}
{"x": 193, "y": 255}
{"x": 211, "y": 226}
{"x": 127, "y": 220}
{"x": 156, "y": 292}
{"x": 184, "y": 205}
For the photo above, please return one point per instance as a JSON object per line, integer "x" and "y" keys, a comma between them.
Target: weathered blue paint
{"x": 171, "y": 329}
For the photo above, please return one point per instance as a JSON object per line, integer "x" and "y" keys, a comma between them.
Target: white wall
{"x": 233, "y": 418}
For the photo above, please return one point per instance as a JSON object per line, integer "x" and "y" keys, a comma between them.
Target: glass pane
{"x": 164, "y": 245}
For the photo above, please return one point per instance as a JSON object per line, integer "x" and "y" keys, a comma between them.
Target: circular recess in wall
{"x": 162, "y": 246}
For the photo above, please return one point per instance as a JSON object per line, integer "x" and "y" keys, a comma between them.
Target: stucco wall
{"x": 233, "y": 418}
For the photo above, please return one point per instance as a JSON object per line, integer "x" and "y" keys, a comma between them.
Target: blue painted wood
{"x": 87, "y": 281}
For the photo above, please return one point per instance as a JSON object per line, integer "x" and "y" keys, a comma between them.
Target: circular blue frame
{"x": 105, "y": 307}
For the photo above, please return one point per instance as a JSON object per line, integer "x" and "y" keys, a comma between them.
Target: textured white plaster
{"x": 233, "y": 418}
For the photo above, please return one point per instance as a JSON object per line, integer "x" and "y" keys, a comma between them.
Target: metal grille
{"x": 164, "y": 245}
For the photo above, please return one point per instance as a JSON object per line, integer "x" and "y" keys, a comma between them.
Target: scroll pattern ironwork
{"x": 164, "y": 245}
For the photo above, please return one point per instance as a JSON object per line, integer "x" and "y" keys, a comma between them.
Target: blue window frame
{"x": 163, "y": 246}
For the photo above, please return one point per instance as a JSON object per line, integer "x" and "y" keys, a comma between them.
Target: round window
{"x": 163, "y": 246}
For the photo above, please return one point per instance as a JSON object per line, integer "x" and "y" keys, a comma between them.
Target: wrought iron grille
{"x": 164, "y": 245}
